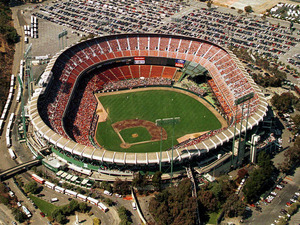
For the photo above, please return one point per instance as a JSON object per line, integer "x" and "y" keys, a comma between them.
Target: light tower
{"x": 164, "y": 122}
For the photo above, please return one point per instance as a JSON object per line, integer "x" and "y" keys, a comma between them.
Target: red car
{"x": 42, "y": 214}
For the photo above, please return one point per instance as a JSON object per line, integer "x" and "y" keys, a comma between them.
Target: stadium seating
{"x": 228, "y": 82}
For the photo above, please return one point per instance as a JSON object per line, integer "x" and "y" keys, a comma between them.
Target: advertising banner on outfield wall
{"x": 179, "y": 63}
{"x": 139, "y": 60}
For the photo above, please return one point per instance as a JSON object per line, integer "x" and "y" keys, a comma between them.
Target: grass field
{"x": 143, "y": 134}
{"x": 44, "y": 206}
{"x": 151, "y": 105}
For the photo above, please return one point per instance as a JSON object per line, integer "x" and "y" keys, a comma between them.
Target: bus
{"x": 38, "y": 178}
{"x": 26, "y": 211}
{"x": 11, "y": 153}
{"x": 102, "y": 207}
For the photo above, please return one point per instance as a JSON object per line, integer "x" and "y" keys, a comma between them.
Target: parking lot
{"x": 271, "y": 211}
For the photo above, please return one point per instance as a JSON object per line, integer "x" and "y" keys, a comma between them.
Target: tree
{"x": 121, "y": 187}
{"x": 240, "y": 11}
{"x": 19, "y": 215}
{"x": 4, "y": 200}
{"x": 296, "y": 120}
{"x": 83, "y": 207}
{"x": 265, "y": 162}
{"x": 108, "y": 201}
{"x": 106, "y": 186}
{"x": 124, "y": 215}
{"x": 96, "y": 221}
{"x": 209, "y": 3}
{"x": 3, "y": 188}
{"x": 234, "y": 206}
{"x": 139, "y": 180}
{"x": 174, "y": 205}
{"x": 31, "y": 187}
{"x": 284, "y": 101}
{"x": 156, "y": 180}
{"x": 257, "y": 183}
{"x": 73, "y": 205}
{"x": 248, "y": 9}
{"x": 207, "y": 200}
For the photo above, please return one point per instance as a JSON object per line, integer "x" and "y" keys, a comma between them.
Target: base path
{"x": 101, "y": 112}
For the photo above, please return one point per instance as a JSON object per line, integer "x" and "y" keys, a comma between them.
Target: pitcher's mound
{"x": 135, "y": 135}
{"x": 125, "y": 145}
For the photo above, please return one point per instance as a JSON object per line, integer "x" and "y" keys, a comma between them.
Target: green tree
{"x": 73, "y": 205}
{"x": 108, "y": 201}
{"x": 124, "y": 215}
{"x": 248, "y": 9}
{"x": 296, "y": 120}
{"x": 83, "y": 207}
{"x": 121, "y": 187}
{"x": 139, "y": 180}
{"x": 106, "y": 186}
{"x": 284, "y": 101}
{"x": 209, "y": 3}
{"x": 207, "y": 200}
{"x": 156, "y": 180}
{"x": 96, "y": 221}
{"x": 31, "y": 187}
{"x": 4, "y": 200}
{"x": 174, "y": 205}
{"x": 234, "y": 206}
{"x": 19, "y": 215}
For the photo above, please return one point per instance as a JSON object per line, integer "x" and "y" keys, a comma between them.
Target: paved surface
{"x": 271, "y": 211}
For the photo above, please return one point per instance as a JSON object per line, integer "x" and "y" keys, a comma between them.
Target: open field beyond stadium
{"x": 150, "y": 105}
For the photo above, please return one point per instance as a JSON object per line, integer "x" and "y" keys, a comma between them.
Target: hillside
{"x": 8, "y": 37}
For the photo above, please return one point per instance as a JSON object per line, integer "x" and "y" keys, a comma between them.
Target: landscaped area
{"x": 43, "y": 205}
{"x": 150, "y": 105}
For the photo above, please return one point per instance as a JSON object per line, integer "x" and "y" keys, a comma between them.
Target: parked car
{"x": 42, "y": 214}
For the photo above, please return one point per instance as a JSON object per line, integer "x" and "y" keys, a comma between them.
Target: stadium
{"x": 91, "y": 102}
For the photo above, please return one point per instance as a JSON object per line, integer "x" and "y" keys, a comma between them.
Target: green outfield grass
{"x": 151, "y": 105}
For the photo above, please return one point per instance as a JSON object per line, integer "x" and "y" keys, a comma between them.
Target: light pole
{"x": 163, "y": 122}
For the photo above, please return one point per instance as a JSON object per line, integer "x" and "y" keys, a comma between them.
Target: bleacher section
{"x": 229, "y": 82}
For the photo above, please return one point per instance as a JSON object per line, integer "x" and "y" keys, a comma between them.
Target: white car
{"x": 297, "y": 193}
{"x": 293, "y": 200}
{"x": 118, "y": 196}
{"x": 273, "y": 193}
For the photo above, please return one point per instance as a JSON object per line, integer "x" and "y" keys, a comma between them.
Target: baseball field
{"x": 130, "y": 123}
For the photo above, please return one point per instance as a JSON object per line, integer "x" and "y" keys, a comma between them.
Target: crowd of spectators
{"x": 203, "y": 137}
{"x": 132, "y": 83}
{"x": 197, "y": 90}
{"x": 228, "y": 83}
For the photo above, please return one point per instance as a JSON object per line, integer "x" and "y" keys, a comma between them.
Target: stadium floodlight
{"x": 237, "y": 102}
{"x": 61, "y": 36}
{"x": 27, "y": 51}
{"x": 165, "y": 122}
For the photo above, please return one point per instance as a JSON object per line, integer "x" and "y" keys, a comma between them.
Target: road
{"x": 271, "y": 211}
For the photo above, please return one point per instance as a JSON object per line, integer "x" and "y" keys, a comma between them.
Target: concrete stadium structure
{"x": 230, "y": 81}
